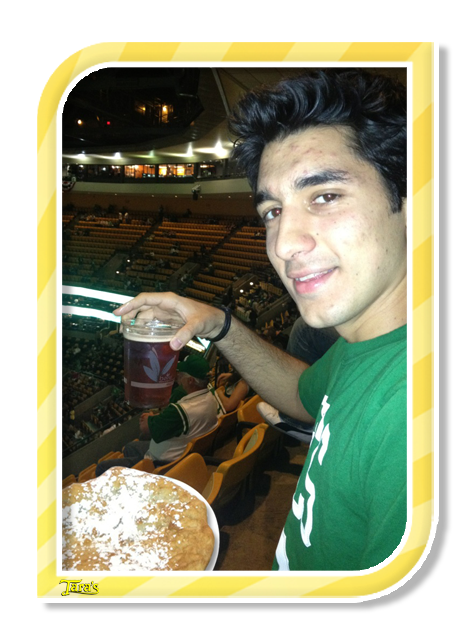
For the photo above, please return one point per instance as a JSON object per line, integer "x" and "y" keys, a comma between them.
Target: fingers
{"x": 193, "y": 317}
{"x": 184, "y": 335}
{"x": 141, "y": 303}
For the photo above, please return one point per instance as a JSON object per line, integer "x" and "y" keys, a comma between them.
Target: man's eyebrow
{"x": 261, "y": 197}
{"x": 319, "y": 178}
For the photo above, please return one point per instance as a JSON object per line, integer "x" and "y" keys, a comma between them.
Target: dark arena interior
{"x": 151, "y": 201}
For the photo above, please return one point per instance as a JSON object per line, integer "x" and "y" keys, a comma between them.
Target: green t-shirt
{"x": 350, "y": 506}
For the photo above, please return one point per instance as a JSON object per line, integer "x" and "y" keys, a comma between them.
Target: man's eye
{"x": 271, "y": 214}
{"x": 326, "y": 198}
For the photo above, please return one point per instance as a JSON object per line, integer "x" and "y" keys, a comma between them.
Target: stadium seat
{"x": 230, "y": 477}
{"x": 70, "y": 479}
{"x": 145, "y": 465}
{"x": 162, "y": 469}
{"x": 204, "y": 444}
{"x": 87, "y": 474}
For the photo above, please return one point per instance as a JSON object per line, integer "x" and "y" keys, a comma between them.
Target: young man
{"x": 325, "y": 155}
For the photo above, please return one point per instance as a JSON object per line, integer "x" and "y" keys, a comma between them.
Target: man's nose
{"x": 295, "y": 235}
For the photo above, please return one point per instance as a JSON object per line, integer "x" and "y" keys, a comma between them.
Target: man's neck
{"x": 374, "y": 322}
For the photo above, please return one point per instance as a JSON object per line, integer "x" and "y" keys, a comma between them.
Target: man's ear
{"x": 404, "y": 210}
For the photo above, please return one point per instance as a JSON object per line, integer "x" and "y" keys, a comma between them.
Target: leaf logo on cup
{"x": 154, "y": 372}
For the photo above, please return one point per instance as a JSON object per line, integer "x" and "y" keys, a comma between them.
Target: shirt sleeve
{"x": 168, "y": 424}
{"x": 177, "y": 394}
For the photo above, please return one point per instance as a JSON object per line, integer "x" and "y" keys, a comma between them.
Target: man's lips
{"x": 307, "y": 276}
{"x": 306, "y": 282}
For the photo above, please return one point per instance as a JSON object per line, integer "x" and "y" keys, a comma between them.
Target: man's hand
{"x": 144, "y": 424}
{"x": 271, "y": 372}
{"x": 197, "y": 319}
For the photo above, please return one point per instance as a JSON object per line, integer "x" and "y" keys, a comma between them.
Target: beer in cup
{"x": 149, "y": 362}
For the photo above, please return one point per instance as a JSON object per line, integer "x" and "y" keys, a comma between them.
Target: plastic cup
{"x": 149, "y": 362}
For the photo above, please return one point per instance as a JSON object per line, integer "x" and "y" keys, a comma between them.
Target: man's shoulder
{"x": 194, "y": 396}
{"x": 199, "y": 399}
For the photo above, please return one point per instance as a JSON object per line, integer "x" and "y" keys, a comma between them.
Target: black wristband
{"x": 226, "y": 325}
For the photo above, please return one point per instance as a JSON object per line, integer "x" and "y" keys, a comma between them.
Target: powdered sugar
{"x": 125, "y": 520}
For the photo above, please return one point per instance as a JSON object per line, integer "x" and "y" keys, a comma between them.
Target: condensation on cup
{"x": 149, "y": 362}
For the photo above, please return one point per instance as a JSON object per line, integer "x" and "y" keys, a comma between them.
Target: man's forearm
{"x": 271, "y": 372}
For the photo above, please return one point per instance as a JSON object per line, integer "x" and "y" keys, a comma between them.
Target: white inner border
{"x": 307, "y": 574}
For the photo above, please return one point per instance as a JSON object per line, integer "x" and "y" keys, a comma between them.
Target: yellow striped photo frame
{"x": 420, "y": 61}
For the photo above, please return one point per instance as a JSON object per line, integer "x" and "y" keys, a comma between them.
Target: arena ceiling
{"x": 118, "y": 111}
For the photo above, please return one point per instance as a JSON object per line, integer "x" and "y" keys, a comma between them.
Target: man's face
{"x": 180, "y": 378}
{"x": 331, "y": 234}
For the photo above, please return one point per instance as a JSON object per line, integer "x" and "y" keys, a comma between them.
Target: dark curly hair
{"x": 373, "y": 106}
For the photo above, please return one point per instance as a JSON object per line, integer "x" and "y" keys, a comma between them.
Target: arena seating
{"x": 212, "y": 253}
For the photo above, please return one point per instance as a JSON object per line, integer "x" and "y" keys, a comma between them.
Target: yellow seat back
{"x": 165, "y": 467}
{"x": 226, "y": 427}
{"x": 236, "y": 471}
{"x": 203, "y": 444}
{"x": 192, "y": 470}
{"x": 248, "y": 411}
{"x": 271, "y": 442}
{"x": 145, "y": 465}
{"x": 87, "y": 474}
{"x": 248, "y": 441}
{"x": 70, "y": 479}
{"x": 107, "y": 456}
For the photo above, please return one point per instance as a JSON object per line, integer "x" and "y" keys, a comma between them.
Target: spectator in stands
{"x": 169, "y": 432}
{"x": 227, "y": 296}
{"x": 236, "y": 389}
{"x": 186, "y": 280}
{"x": 325, "y": 155}
{"x": 252, "y": 318}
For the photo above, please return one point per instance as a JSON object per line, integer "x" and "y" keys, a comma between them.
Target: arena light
{"x": 96, "y": 294}
{"x": 89, "y": 312}
{"x": 219, "y": 150}
{"x": 195, "y": 346}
